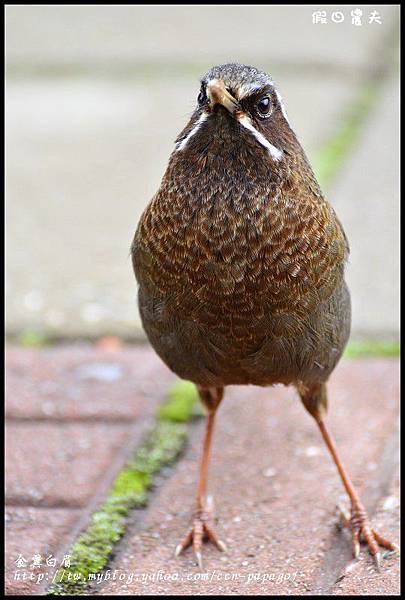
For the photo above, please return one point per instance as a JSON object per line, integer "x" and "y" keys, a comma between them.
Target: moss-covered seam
{"x": 161, "y": 446}
{"x": 336, "y": 147}
{"x": 367, "y": 348}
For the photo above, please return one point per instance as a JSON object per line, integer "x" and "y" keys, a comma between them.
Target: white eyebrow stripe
{"x": 247, "y": 89}
{"x": 182, "y": 143}
{"x": 274, "y": 152}
{"x": 282, "y": 106}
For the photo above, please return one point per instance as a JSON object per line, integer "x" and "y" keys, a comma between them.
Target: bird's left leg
{"x": 202, "y": 528}
{"x": 314, "y": 399}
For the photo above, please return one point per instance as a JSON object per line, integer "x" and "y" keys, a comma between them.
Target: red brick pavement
{"x": 72, "y": 417}
{"x": 72, "y": 414}
{"x": 276, "y": 490}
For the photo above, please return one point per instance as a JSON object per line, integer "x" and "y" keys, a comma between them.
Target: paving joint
{"x": 339, "y": 554}
{"x": 79, "y": 419}
{"x": 152, "y": 70}
{"x": 127, "y": 489}
{"x": 337, "y": 146}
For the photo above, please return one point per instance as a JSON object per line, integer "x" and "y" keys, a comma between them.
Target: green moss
{"x": 331, "y": 154}
{"x": 181, "y": 404}
{"x": 32, "y": 338}
{"x": 359, "y": 349}
{"x": 92, "y": 550}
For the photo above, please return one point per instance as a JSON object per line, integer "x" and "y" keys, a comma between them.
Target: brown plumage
{"x": 240, "y": 262}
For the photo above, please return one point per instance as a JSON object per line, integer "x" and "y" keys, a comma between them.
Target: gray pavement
{"x": 95, "y": 98}
{"x": 367, "y": 200}
{"x": 107, "y": 35}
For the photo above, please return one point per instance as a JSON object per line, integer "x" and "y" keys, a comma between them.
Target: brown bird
{"x": 240, "y": 264}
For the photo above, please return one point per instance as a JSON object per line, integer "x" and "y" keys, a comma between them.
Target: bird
{"x": 240, "y": 264}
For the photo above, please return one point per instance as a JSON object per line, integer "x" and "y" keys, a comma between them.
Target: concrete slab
{"x": 95, "y": 98}
{"x": 107, "y": 35}
{"x": 366, "y": 198}
{"x": 84, "y": 159}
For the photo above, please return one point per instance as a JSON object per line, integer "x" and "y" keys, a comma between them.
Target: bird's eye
{"x": 202, "y": 97}
{"x": 263, "y": 106}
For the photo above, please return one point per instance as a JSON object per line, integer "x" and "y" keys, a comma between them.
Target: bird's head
{"x": 237, "y": 105}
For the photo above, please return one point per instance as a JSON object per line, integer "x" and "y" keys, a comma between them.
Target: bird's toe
{"x": 362, "y": 531}
{"x": 200, "y": 531}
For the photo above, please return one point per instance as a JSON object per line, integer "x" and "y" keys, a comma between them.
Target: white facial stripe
{"x": 182, "y": 143}
{"x": 283, "y": 110}
{"x": 274, "y": 152}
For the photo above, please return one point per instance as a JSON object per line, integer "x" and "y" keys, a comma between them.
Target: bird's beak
{"x": 218, "y": 94}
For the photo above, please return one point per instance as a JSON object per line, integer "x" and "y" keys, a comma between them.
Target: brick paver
{"x": 80, "y": 382}
{"x": 31, "y": 531}
{"x": 59, "y": 465}
{"x": 359, "y": 578}
{"x": 71, "y": 416}
{"x": 276, "y": 491}
{"x": 274, "y": 483}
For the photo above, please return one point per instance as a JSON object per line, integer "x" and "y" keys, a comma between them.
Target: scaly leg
{"x": 201, "y": 528}
{"x": 315, "y": 402}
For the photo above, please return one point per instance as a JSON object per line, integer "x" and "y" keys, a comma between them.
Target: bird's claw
{"x": 359, "y": 524}
{"x": 201, "y": 530}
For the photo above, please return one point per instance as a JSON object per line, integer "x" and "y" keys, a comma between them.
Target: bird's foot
{"x": 362, "y": 531}
{"x": 200, "y": 531}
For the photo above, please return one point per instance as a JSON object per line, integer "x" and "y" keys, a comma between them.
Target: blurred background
{"x": 95, "y": 96}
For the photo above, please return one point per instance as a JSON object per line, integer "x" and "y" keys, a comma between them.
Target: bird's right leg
{"x": 314, "y": 399}
{"x": 201, "y": 528}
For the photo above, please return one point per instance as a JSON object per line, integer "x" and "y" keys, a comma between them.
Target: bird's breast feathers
{"x": 239, "y": 254}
